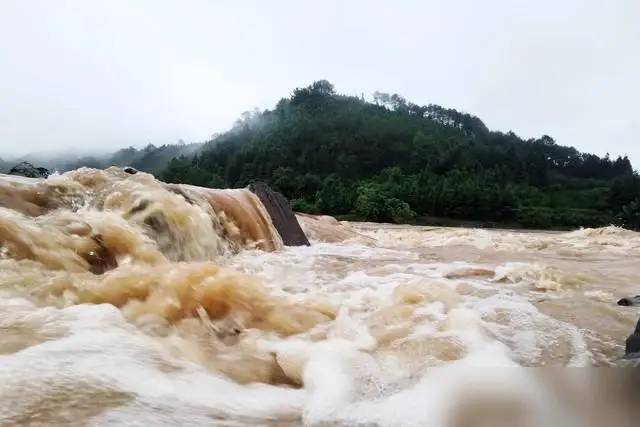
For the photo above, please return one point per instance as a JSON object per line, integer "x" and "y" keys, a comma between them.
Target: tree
{"x": 373, "y": 204}
{"x": 334, "y": 197}
{"x": 630, "y": 215}
{"x": 317, "y": 89}
{"x": 388, "y": 159}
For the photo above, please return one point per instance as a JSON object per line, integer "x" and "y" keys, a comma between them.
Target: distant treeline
{"x": 150, "y": 159}
{"x": 392, "y": 160}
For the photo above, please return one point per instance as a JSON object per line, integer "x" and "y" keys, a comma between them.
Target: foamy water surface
{"x": 385, "y": 325}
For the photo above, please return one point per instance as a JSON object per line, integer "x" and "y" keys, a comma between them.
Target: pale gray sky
{"x": 108, "y": 74}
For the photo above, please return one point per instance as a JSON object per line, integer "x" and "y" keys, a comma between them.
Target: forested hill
{"x": 392, "y": 160}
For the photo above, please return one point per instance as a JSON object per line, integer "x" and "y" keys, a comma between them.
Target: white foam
{"x": 347, "y": 377}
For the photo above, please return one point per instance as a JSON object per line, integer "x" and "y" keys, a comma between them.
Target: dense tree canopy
{"x": 392, "y": 160}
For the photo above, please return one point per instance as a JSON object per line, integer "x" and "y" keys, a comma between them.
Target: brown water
{"x": 127, "y": 301}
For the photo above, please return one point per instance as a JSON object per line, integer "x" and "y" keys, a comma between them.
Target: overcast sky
{"x": 108, "y": 74}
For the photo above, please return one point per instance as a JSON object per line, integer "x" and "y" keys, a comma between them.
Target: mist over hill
{"x": 393, "y": 160}
{"x": 5, "y": 165}
{"x": 150, "y": 159}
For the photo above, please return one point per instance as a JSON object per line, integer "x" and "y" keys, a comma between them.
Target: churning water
{"x": 124, "y": 301}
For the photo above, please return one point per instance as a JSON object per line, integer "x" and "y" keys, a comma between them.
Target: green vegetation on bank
{"x": 392, "y": 160}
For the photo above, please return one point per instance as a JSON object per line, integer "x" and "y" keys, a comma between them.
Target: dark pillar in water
{"x": 632, "y": 348}
{"x": 282, "y": 216}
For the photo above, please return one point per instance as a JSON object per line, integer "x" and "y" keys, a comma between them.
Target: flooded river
{"x": 124, "y": 301}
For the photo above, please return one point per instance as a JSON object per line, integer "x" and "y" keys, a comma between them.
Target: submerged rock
{"x": 130, "y": 170}
{"x": 101, "y": 259}
{"x": 26, "y": 169}
{"x": 282, "y": 216}
{"x": 632, "y": 346}
{"x": 630, "y": 301}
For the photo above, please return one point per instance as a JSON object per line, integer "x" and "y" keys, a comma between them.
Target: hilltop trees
{"x": 393, "y": 160}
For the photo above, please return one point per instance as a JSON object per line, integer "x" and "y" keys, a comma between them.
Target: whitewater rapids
{"x": 124, "y": 301}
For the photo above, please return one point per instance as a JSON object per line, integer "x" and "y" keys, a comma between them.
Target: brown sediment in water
{"x": 244, "y": 218}
{"x": 470, "y": 272}
{"x": 165, "y": 256}
{"x": 78, "y": 211}
{"x": 325, "y": 228}
{"x": 28, "y": 196}
{"x": 63, "y": 404}
{"x": 175, "y": 291}
{"x": 152, "y": 250}
{"x": 130, "y": 228}
{"x": 72, "y": 242}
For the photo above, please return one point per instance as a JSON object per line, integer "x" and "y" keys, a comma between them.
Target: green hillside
{"x": 392, "y": 160}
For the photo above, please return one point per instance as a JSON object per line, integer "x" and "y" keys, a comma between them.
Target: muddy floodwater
{"x": 124, "y": 301}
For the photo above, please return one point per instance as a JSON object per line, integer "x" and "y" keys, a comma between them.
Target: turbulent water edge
{"x": 126, "y": 301}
